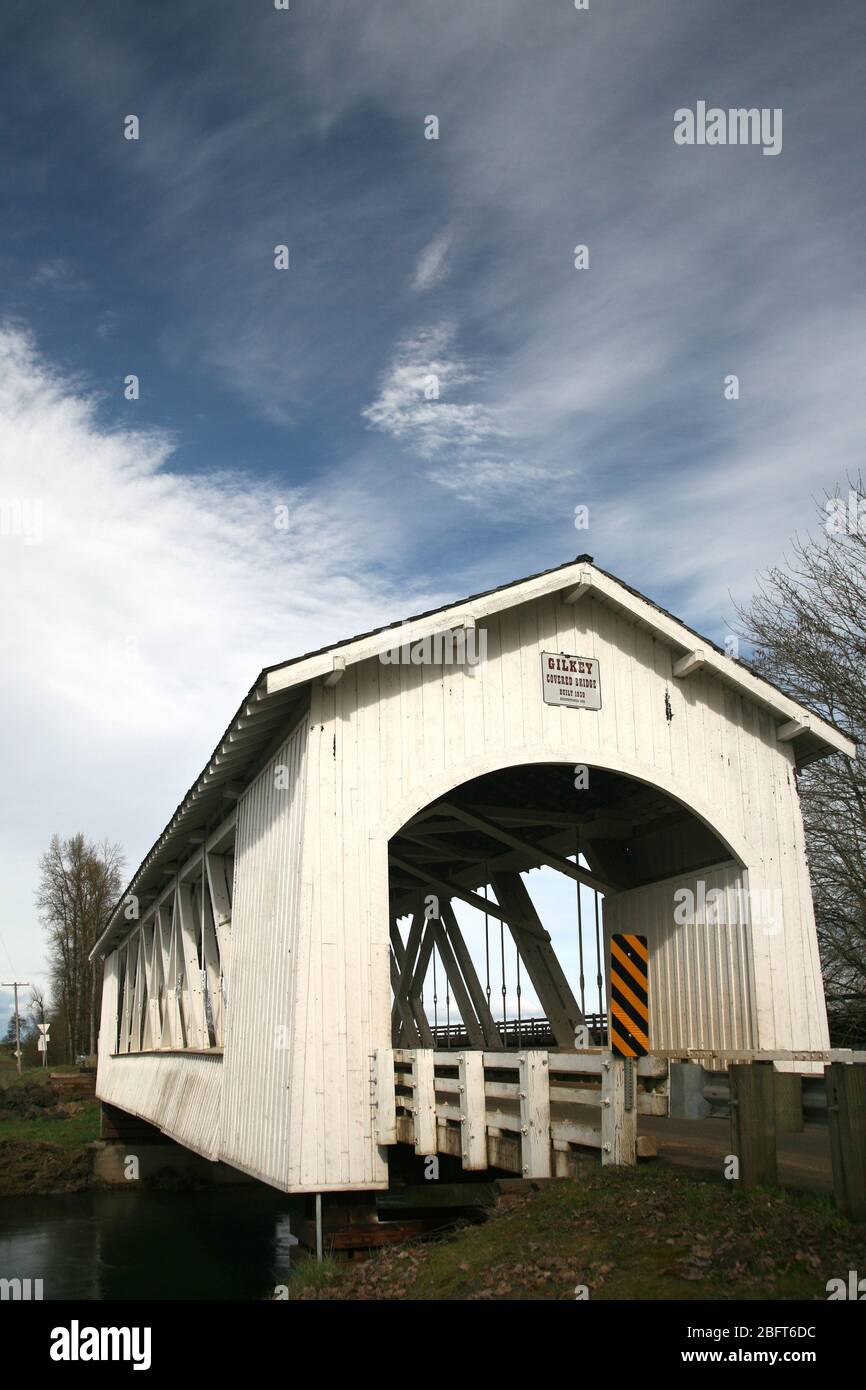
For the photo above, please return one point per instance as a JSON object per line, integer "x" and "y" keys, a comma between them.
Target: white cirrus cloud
{"x": 414, "y": 406}
{"x": 432, "y": 266}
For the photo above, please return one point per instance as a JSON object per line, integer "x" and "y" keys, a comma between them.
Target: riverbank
{"x": 645, "y": 1233}
{"x": 45, "y": 1130}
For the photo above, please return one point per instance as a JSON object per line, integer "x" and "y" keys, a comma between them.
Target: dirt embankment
{"x": 28, "y": 1167}
{"x": 44, "y": 1133}
{"x": 645, "y": 1233}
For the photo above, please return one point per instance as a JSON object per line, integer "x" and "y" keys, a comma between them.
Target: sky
{"x": 144, "y": 580}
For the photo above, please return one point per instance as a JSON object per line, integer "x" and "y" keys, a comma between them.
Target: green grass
{"x": 645, "y": 1234}
{"x": 307, "y": 1274}
{"x": 9, "y": 1075}
{"x": 68, "y": 1133}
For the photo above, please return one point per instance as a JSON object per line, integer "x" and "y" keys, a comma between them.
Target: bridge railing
{"x": 530, "y": 1111}
{"x": 518, "y": 1032}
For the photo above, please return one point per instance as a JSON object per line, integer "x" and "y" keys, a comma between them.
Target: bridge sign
{"x": 629, "y": 987}
{"x": 570, "y": 680}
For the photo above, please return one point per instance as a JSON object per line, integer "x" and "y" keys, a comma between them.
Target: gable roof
{"x": 280, "y": 692}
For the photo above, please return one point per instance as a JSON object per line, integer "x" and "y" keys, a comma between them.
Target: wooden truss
{"x": 409, "y": 964}
{"x": 172, "y": 969}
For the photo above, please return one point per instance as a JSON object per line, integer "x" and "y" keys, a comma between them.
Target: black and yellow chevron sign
{"x": 629, "y": 995}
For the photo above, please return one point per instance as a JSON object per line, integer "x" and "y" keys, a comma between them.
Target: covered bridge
{"x": 265, "y": 973}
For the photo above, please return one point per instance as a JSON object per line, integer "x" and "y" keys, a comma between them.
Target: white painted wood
{"x": 196, "y": 1027}
{"x": 210, "y": 958}
{"x": 386, "y": 1108}
{"x": 123, "y": 999}
{"x": 688, "y": 664}
{"x": 337, "y": 672}
{"x": 581, "y": 590}
{"x": 700, "y": 988}
{"x": 270, "y": 1000}
{"x": 424, "y": 1101}
{"x": 618, "y": 1124}
{"x": 785, "y": 732}
{"x": 561, "y": 581}
{"x": 138, "y": 994}
{"x": 218, "y": 883}
{"x": 473, "y": 1110}
{"x": 534, "y": 1114}
{"x": 153, "y": 977}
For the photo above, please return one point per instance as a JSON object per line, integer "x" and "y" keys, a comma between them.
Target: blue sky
{"x": 160, "y": 585}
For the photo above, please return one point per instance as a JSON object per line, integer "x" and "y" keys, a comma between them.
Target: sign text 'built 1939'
{"x": 570, "y": 680}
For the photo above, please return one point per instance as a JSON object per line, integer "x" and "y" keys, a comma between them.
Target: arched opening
{"x": 497, "y": 901}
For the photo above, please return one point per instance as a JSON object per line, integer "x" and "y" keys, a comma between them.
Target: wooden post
{"x": 386, "y": 1101}
{"x": 789, "y": 1102}
{"x": 473, "y": 1110}
{"x": 424, "y": 1101}
{"x": 535, "y": 1114}
{"x": 753, "y": 1123}
{"x": 618, "y": 1112}
{"x": 846, "y": 1109}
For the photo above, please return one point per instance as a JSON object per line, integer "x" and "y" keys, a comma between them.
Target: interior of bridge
{"x": 472, "y": 962}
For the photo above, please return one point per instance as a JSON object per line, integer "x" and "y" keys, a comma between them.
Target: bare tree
{"x": 37, "y": 1009}
{"x": 808, "y": 627}
{"x": 79, "y": 883}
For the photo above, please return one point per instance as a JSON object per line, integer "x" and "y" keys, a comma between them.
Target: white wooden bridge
{"x": 299, "y": 975}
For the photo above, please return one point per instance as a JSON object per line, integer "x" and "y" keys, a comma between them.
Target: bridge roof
{"x": 279, "y": 692}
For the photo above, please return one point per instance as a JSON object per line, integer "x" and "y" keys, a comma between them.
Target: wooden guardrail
{"x": 528, "y": 1112}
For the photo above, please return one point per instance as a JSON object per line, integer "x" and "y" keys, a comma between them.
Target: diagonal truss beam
{"x": 544, "y": 856}
{"x": 539, "y": 957}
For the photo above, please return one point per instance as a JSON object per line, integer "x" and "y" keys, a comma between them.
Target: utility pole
{"x": 14, "y": 984}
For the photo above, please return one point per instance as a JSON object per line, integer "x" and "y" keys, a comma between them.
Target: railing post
{"x": 753, "y": 1123}
{"x": 846, "y": 1110}
{"x": 473, "y": 1110}
{"x": 618, "y": 1111}
{"x": 424, "y": 1101}
{"x": 535, "y": 1114}
{"x": 386, "y": 1101}
{"x": 788, "y": 1088}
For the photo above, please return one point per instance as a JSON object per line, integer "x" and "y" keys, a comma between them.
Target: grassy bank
{"x": 649, "y": 1234}
{"x": 43, "y": 1136}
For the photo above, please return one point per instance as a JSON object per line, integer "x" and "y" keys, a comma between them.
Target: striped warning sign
{"x": 629, "y": 988}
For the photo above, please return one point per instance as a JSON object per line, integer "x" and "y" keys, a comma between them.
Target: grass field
{"x": 648, "y": 1233}
{"x": 69, "y": 1133}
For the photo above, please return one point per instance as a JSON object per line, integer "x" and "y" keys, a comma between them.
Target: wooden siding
{"x": 700, "y": 991}
{"x": 265, "y": 921}
{"x": 178, "y": 1092}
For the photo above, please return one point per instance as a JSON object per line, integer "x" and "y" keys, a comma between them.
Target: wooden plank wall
{"x": 701, "y": 992}
{"x": 177, "y": 1092}
{"x": 265, "y": 926}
